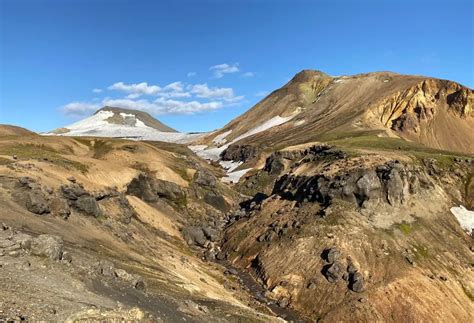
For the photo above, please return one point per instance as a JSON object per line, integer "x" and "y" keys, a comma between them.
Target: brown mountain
{"x": 431, "y": 112}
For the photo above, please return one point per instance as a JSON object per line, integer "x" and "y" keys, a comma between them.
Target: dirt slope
{"x": 91, "y": 229}
{"x": 435, "y": 113}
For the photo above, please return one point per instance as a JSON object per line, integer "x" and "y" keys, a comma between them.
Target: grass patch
{"x": 43, "y": 153}
{"x": 444, "y": 158}
{"x": 171, "y": 147}
{"x": 405, "y": 227}
{"x": 421, "y": 252}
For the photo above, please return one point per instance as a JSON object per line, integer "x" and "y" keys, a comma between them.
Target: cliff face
{"x": 343, "y": 236}
{"x": 434, "y": 113}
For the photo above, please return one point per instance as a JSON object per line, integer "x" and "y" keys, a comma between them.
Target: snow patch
{"x": 273, "y": 122}
{"x": 299, "y": 122}
{"x": 220, "y": 139}
{"x": 230, "y": 165}
{"x": 234, "y": 177}
{"x": 196, "y": 148}
{"x": 464, "y": 217}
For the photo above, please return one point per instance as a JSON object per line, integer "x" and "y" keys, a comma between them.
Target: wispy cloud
{"x": 174, "y": 98}
{"x": 139, "y": 88}
{"x": 248, "y": 74}
{"x": 97, "y": 90}
{"x": 221, "y": 69}
{"x": 79, "y": 108}
{"x": 191, "y": 74}
{"x": 165, "y": 106}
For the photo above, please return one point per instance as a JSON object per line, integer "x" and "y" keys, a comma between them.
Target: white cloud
{"x": 191, "y": 74}
{"x": 203, "y": 91}
{"x": 248, "y": 74}
{"x": 174, "y": 98}
{"x": 221, "y": 69}
{"x": 79, "y": 108}
{"x": 140, "y": 88}
{"x": 165, "y": 106}
{"x": 97, "y": 90}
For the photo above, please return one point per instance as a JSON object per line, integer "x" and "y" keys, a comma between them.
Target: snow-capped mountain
{"x": 124, "y": 123}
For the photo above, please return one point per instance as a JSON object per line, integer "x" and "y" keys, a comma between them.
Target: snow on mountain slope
{"x": 213, "y": 153}
{"x": 116, "y": 124}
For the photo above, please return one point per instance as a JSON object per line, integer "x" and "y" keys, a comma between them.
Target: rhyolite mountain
{"x": 315, "y": 106}
{"x": 346, "y": 198}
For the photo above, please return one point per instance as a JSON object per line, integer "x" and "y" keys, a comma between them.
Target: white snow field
{"x": 98, "y": 126}
{"x": 213, "y": 153}
{"x": 464, "y": 217}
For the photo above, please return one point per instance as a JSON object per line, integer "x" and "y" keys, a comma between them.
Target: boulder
{"x": 333, "y": 272}
{"x": 105, "y": 268}
{"x": 73, "y": 191}
{"x": 194, "y": 235}
{"x": 205, "y": 178}
{"x": 48, "y": 246}
{"x": 151, "y": 189}
{"x": 211, "y": 233}
{"x": 357, "y": 282}
{"x": 36, "y": 202}
{"x": 88, "y": 205}
{"x": 331, "y": 255}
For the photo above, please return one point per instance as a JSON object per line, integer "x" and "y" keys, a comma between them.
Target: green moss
{"x": 421, "y": 252}
{"x": 405, "y": 227}
{"x": 43, "y": 153}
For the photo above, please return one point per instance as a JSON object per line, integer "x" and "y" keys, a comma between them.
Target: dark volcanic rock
{"x": 392, "y": 183}
{"x": 72, "y": 191}
{"x": 205, "y": 178}
{"x": 78, "y": 198}
{"x": 88, "y": 205}
{"x": 194, "y": 235}
{"x": 29, "y": 194}
{"x": 36, "y": 202}
{"x": 240, "y": 152}
{"x": 331, "y": 255}
{"x": 151, "y": 189}
{"x": 356, "y": 282}
{"x": 333, "y": 272}
{"x": 217, "y": 201}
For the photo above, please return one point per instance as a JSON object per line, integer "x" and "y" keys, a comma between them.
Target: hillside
{"x": 314, "y": 106}
{"x": 333, "y": 199}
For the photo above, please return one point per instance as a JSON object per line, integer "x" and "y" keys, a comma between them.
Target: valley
{"x": 345, "y": 198}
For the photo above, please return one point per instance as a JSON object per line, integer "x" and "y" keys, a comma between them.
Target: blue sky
{"x": 206, "y": 62}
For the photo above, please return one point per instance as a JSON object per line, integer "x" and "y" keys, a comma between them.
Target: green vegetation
{"x": 444, "y": 159}
{"x": 43, "y": 153}
{"x": 405, "y": 227}
{"x": 421, "y": 252}
{"x": 171, "y": 147}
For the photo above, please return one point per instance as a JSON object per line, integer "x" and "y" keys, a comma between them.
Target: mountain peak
{"x": 131, "y": 117}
